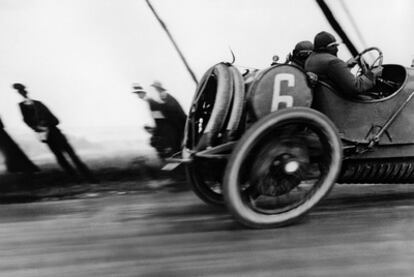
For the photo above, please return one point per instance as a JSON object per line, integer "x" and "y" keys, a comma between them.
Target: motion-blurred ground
{"x": 119, "y": 157}
{"x": 124, "y": 174}
{"x": 140, "y": 221}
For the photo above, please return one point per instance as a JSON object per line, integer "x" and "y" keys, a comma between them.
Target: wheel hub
{"x": 291, "y": 167}
{"x": 280, "y": 168}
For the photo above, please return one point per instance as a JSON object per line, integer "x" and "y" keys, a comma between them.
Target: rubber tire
{"x": 242, "y": 212}
{"x": 216, "y": 123}
{"x": 203, "y": 192}
{"x": 238, "y": 103}
{"x": 221, "y": 106}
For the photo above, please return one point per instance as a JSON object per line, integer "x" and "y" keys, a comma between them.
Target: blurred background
{"x": 80, "y": 57}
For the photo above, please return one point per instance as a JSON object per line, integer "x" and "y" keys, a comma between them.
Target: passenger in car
{"x": 329, "y": 68}
{"x": 300, "y": 53}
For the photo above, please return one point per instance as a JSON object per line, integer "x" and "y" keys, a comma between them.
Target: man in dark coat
{"x": 162, "y": 138}
{"x": 329, "y": 68}
{"x": 38, "y": 117}
{"x": 155, "y": 107}
{"x": 174, "y": 114}
{"x": 14, "y": 158}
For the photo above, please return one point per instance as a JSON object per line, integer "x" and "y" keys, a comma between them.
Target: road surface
{"x": 358, "y": 231}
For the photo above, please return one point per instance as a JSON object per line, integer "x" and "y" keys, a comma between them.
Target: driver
{"x": 329, "y": 68}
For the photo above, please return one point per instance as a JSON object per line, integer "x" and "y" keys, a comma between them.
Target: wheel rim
{"x": 283, "y": 174}
{"x": 261, "y": 195}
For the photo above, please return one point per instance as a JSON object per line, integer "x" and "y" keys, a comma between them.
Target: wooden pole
{"x": 173, "y": 41}
{"x": 335, "y": 25}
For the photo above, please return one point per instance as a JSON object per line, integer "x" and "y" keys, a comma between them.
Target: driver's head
{"x": 326, "y": 42}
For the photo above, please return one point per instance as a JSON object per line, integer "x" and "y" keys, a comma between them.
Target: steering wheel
{"x": 363, "y": 65}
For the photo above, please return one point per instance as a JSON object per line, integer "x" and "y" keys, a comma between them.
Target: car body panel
{"x": 358, "y": 120}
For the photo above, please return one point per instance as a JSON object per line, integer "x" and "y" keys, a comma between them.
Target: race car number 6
{"x": 277, "y": 98}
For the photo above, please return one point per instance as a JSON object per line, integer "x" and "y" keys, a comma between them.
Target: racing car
{"x": 270, "y": 144}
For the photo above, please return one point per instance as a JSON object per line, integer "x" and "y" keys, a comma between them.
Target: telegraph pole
{"x": 173, "y": 41}
{"x": 335, "y": 25}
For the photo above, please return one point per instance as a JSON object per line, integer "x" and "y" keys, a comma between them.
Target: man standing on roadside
{"x": 161, "y": 134}
{"x": 14, "y": 157}
{"x": 38, "y": 117}
{"x": 174, "y": 115}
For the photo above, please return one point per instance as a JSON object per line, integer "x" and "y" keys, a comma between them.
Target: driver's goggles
{"x": 332, "y": 44}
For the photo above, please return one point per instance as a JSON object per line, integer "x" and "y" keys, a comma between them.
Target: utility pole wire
{"x": 173, "y": 41}
{"x": 335, "y": 25}
{"x": 355, "y": 26}
{"x": 353, "y": 23}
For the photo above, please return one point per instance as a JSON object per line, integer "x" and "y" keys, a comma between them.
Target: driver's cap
{"x": 324, "y": 40}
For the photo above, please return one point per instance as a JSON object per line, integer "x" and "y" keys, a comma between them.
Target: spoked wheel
{"x": 214, "y": 105}
{"x": 283, "y": 166}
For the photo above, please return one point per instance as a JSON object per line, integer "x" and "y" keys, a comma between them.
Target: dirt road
{"x": 357, "y": 231}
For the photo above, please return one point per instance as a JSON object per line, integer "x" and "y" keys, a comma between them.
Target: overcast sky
{"x": 80, "y": 56}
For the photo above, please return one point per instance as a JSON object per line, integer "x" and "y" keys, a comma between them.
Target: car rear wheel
{"x": 282, "y": 167}
{"x": 205, "y": 179}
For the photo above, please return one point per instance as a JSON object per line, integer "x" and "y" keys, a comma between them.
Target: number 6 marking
{"x": 277, "y": 98}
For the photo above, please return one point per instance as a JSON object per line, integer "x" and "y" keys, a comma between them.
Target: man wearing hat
{"x": 329, "y": 68}
{"x": 300, "y": 53}
{"x": 38, "y": 117}
{"x": 155, "y": 106}
{"x": 161, "y": 135}
{"x": 174, "y": 114}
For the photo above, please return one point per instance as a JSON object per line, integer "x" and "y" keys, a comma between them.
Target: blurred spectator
{"x": 162, "y": 135}
{"x": 174, "y": 115}
{"x": 154, "y": 106}
{"x": 15, "y": 159}
{"x": 38, "y": 117}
